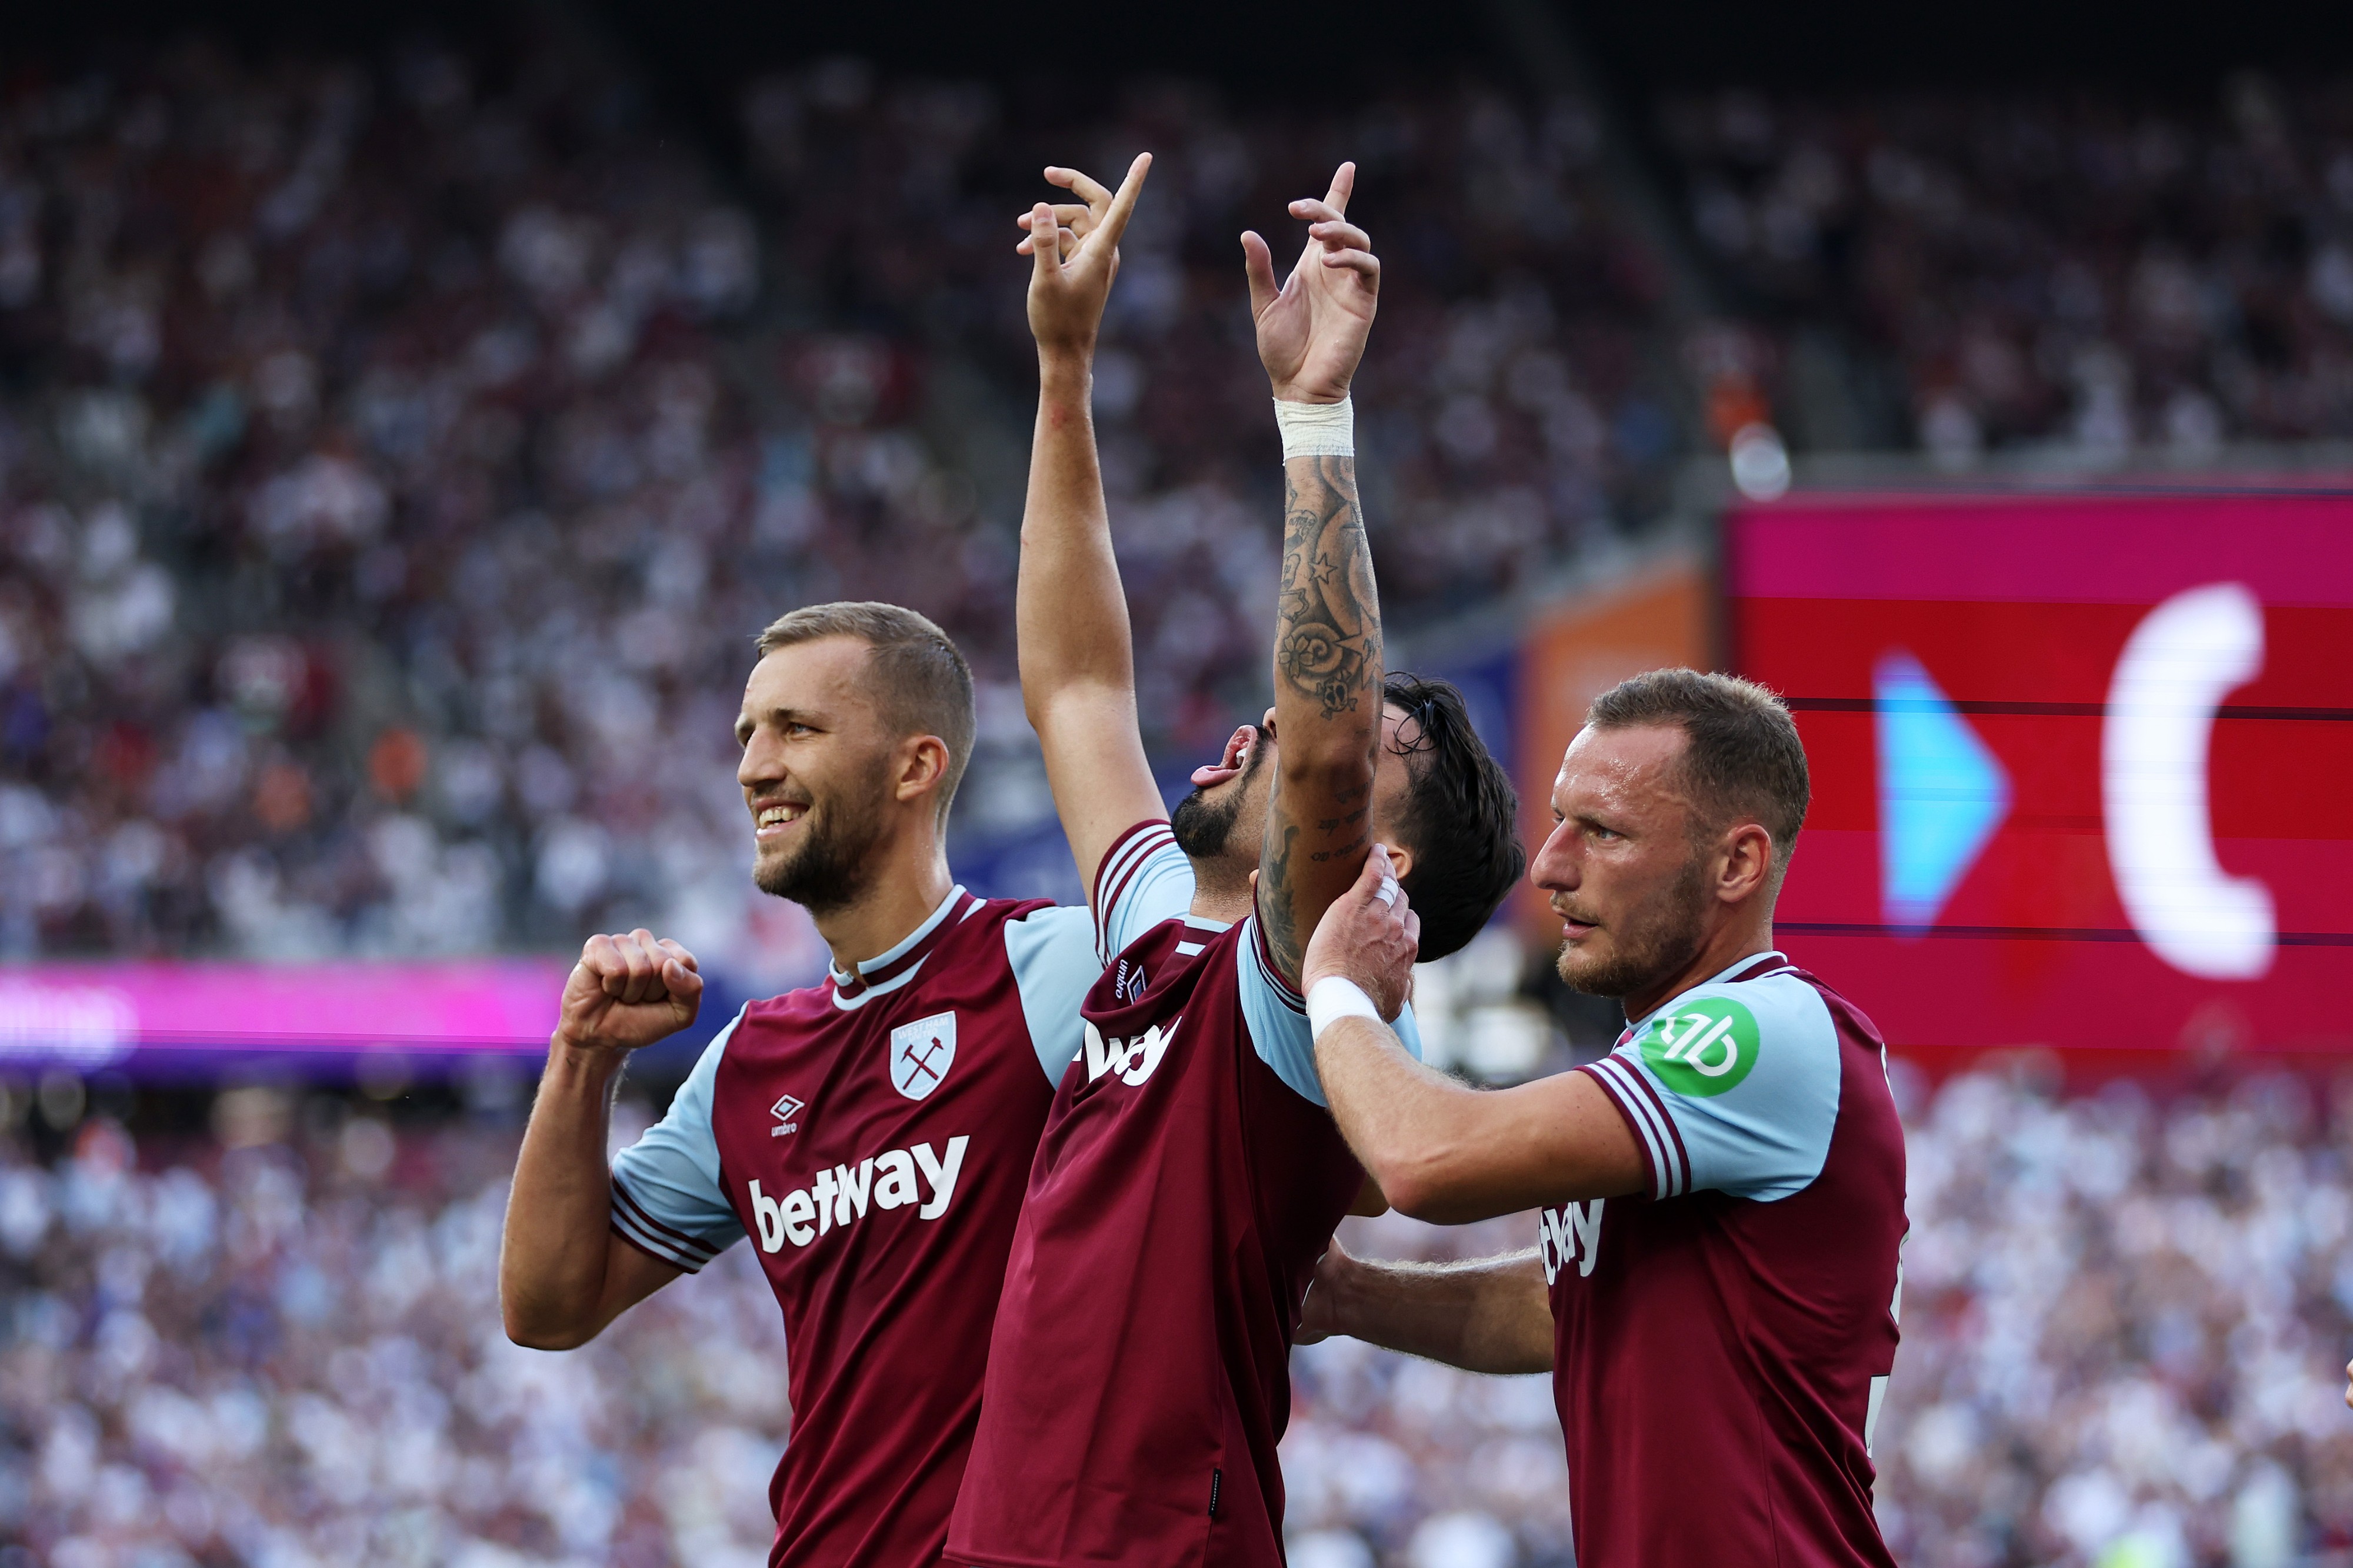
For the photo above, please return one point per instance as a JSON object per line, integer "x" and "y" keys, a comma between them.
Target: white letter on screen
{"x": 2181, "y": 661}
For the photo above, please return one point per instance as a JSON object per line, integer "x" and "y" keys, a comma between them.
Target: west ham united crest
{"x": 920, "y": 1054}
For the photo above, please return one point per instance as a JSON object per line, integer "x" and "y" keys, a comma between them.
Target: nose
{"x": 760, "y": 765}
{"x": 1266, "y": 723}
{"x": 1554, "y": 866}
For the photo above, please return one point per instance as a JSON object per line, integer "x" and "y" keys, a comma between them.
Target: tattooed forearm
{"x": 1277, "y": 913}
{"x": 1327, "y": 698}
{"x": 1328, "y": 640}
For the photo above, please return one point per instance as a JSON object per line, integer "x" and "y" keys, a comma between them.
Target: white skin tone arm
{"x": 1442, "y": 1152}
{"x": 563, "y": 1274}
{"x": 1490, "y": 1316}
{"x": 1077, "y": 663}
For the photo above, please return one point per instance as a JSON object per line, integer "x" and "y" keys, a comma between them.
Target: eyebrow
{"x": 745, "y": 722}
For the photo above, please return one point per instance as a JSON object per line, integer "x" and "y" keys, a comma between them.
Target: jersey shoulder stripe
{"x": 1734, "y": 1085}
{"x": 641, "y": 1230}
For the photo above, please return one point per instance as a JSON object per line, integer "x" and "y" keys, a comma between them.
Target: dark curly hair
{"x": 1461, "y": 814}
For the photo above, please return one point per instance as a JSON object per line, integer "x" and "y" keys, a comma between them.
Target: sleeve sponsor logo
{"x": 842, "y": 1194}
{"x": 1132, "y": 1059}
{"x": 1703, "y": 1046}
{"x": 920, "y": 1054}
{"x": 1570, "y": 1233}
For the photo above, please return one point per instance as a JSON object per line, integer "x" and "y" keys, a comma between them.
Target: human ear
{"x": 1402, "y": 859}
{"x": 1747, "y": 862}
{"x": 923, "y": 764}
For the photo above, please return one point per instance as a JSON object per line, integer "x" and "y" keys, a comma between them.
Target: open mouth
{"x": 1237, "y": 758}
{"x": 1572, "y": 929}
{"x": 771, "y": 820}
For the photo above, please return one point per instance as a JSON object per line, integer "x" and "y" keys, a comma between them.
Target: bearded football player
{"x": 1719, "y": 1201}
{"x": 1189, "y": 1173}
{"x": 871, "y": 1133}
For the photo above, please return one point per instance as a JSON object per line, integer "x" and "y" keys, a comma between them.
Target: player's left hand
{"x": 1071, "y": 280}
{"x": 1369, "y": 935}
{"x": 1311, "y": 329}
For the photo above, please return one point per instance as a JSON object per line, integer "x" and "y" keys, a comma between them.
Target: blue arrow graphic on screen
{"x": 1941, "y": 792}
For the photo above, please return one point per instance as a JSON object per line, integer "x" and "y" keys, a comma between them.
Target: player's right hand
{"x": 1312, "y": 328}
{"x": 1072, "y": 278}
{"x": 1368, "y": 935}
{"x": 627, "y": 992}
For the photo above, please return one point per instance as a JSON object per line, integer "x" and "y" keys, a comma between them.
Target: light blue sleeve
{"x": 666, "y": 1193}
{"x": 1731, "y": 1087}
{"x": 1278, "y": 1020}
{"x": 1054, "y": 964}
{"x": 1145, "y": 879}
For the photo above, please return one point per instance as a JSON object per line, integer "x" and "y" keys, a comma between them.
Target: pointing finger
{"x": 1343, "y": 185}
{"x": 1114, "y": 220}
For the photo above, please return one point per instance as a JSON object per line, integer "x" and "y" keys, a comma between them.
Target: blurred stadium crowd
{"x": 2121, "y": 1325}
{"x": 395, "y": 454}
{"x": 2053, "y": 268}
{"x": 399, "y": 458}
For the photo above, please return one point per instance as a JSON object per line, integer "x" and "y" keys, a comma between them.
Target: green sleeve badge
{"x": 1703, "y": 1047}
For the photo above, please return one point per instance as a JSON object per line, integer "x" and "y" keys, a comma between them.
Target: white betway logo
{"x": 1570, "y": 1233}
{"x": 841, "y": 1195}
{"x": 1132, "y": 1059}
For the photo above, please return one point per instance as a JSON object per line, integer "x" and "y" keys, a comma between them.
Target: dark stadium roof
{"x": 1668, "y": 43}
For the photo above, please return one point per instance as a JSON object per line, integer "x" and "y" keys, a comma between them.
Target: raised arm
{"x": 1327, "y": 640}
{"x": 563, "y": 1272}
{"x": 1077, "y": 663}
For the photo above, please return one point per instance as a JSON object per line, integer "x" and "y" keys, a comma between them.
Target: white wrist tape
{"x": 1317, "y": 429}
{"x": 1333, "y": 998}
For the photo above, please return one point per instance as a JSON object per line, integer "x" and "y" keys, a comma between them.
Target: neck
{"x": 1218, "y": 894}
{"x": 1744, "y": 938}
{"x": 907, "y": 886}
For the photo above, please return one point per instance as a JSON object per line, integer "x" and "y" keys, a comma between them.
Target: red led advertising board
{"x": 2082, "y": 767}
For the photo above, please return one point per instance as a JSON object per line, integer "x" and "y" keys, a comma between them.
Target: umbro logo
{"x": 1128, "y": 985}
{"x": 784, "y": 1111}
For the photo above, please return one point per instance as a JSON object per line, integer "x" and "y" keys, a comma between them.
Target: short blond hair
{"x": 920, "y": 682}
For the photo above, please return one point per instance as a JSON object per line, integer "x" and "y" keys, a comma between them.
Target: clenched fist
{"x": 627, "y": 992}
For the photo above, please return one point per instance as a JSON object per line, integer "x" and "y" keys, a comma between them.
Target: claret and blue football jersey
{"x": 1188, "y": 1178}
{"x": 872, "y": 1135}
{"x": 1722, "y": 1338}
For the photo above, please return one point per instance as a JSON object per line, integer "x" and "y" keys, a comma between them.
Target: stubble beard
{"x": 1654, "y": 943}
{"x": 834, "y": 866}
{"x": 1203, "y": 827}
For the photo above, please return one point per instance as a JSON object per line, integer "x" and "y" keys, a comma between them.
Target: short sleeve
{"x": 1731, "y": 1087}
{"x": 1054, "y": 964}
{"x": 1144, "y": 880}
{"x": 667, "y": 1199}
{"x": 1278, "y": 1020}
